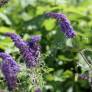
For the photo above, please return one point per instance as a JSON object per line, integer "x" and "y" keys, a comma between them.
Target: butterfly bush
{"x": 31, "y": 53}
{"x": 37, "y": 90}
{"x": 10, "y": 70}
{"x": 3, "y": 2}
{"x": 29, "y": 50}
{"x": 64, "y": 24}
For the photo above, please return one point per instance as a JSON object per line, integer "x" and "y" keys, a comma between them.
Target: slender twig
{"x": 89, "y": 64}
{"x": 85, "y": 58}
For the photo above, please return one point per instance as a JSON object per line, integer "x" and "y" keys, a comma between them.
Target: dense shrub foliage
{"x": 63, "y": 58}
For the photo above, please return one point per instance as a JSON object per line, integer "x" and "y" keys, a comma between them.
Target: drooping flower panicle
{"x": 64, "y": 24}
{"x": 10, "y": 70}
{"x": 58, "y": 16}
{"x": 29, "y": 50}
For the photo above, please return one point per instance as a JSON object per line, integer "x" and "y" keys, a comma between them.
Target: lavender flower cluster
{"x": 29, "y": 50}
{"x": 9, "y": 69}
{"x": 64, "y": 24}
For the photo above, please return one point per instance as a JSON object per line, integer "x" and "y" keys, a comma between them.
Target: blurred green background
{"x": 27, "y": 18}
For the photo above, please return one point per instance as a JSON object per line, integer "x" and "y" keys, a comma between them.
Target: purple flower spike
{"x": 38, "y": 90}
{"x": 9, "y": 69}
{"x": 58, "y": 16}
{"x": 29, "y": 50}
{"x": 64, "y": 24}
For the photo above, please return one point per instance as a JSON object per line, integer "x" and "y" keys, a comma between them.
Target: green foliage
{"x": 27, "y": 18}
